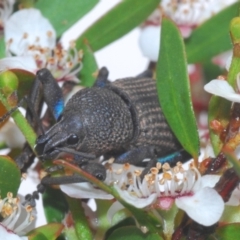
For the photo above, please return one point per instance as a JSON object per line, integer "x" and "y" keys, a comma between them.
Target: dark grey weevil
{"x": 122, "y": 119}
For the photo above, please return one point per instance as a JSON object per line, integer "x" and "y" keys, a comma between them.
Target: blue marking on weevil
{"x": 169, "y": 158}
{"x": 58, "y": 108}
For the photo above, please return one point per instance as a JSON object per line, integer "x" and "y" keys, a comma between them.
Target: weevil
{"x": 121, "y": 119}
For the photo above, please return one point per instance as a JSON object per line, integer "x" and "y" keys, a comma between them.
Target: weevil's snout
{"x": 43, "y": 149}
{"x": 41, "y": 144}
{"x": 65, "y": 134}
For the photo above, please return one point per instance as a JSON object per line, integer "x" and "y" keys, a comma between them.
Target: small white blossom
{"x": 27, "y": 28}
{"x": 223, "y": 89}
{"x": 187, "y": 14}
{"x": 9, "y": 235}
{"x": 32, "y": 38}
{"x": 16, "y": 217}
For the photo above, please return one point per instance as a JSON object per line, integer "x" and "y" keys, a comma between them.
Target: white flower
{"x": 27, "y": 28}
{"x": 149, "y": 42}
{"x": 23, "y": 62}
{"x": 223, "y": 89}
{"x": 187, "y": 188}
{"x": 87, "y": 190}
{"x": 16, "y": 217}
{"x": 191, "y": 192}
{"x": 192, "y": 13}
{"x": 6, "y": 8}
{"x": 187, "y": 14}
{"x": 9, "y": 235}
{"x": 30, "y": 35}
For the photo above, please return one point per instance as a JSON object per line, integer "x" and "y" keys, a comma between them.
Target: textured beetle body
{"x": 112, "y": 119}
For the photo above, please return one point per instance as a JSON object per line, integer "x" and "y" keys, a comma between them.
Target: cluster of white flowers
{"x": 187, "y": 14}
{"x": 190, "y": 192}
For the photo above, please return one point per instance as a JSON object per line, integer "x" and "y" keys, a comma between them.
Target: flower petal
{"x": 149, "y": 42}
{"x": 9, "y": 235}
{"x": 134, "y": 200}
{"x": 84, "y": 190}
{"x": 221, "y": 88}
{"x": 27, "y": 27}
{"x": 209, "y": 180}
{"x": 24, "y": 62}
{"x": 205, "y": 206}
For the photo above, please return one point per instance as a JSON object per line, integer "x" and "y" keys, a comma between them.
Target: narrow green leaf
{"x": 81, "y": 226}
{"x": 212, "y": 37}
{"x": 2, "y": 48}
{"x": 132, "y": 233}
{"x": 49, "y": 232}
{"x": 173, "y": 88}
{"x": 55, "y": 211}
{"x": 103, "y": 222}
{"x": 89, "y": 67}
{"x": 10, "y": 176}
{"x": 231, "y": 214}
{"x": 63, "y": 14}
{"x": 25, "y": 79}
{"x": 228, "y": 232}
{"x": 127, "y": 15}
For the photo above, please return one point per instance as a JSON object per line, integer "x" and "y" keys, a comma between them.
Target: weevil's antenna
{"x": 71, "y": 151}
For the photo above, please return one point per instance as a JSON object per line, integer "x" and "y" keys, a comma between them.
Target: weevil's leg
{"x": 95, "y": 169}
{"x": 173, "y": 158}
{"x": 102, "y": 78}
{"x": 136, "y": 155}
{"x": 52, "y": 93}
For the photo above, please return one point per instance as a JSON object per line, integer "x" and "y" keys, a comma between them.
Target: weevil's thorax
{"x": 106, "y": 119}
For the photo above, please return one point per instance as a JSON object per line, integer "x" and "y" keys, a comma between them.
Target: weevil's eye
{"x": 100, "y": 176}
{"x": 73, "y": 139}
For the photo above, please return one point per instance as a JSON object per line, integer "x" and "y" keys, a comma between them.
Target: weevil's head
{"x": 68, "y": 132}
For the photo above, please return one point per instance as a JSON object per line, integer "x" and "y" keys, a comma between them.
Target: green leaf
{"x": 228, "y": 232}
{"x": 47, "y": 232}
{"x": 127, "y": 222}
{"x": 89, "y": 67}
{"x": 25, "y": 81}
{"x": 55, "y": 211}
{"x": 103, "y": 222}
{"x": 10, "y": 176}
{"x": 212, "y": 37}
{"x": 231, "y": 214}
{"x": 132, "y": 233}
{"x": 2, "y": 48}
{"x": 127, "y": 15}
{"x": 63, "y": 14}
{"x": 173, "y": 88}
{"x": 81, "y": 225}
